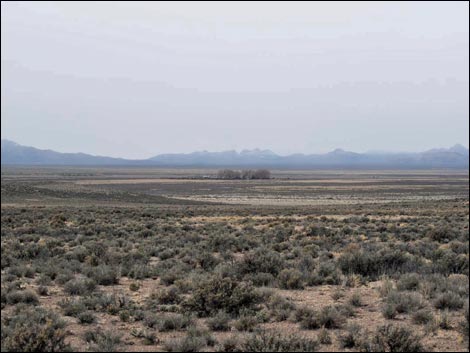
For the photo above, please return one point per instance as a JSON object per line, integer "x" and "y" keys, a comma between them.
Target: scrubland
{"x": 174, "y": 260}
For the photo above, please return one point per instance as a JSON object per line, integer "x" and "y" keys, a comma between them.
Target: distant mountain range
{"x": 453, "y": 157}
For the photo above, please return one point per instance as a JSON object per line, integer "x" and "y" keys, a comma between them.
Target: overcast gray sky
{"x": 138, "y": 79}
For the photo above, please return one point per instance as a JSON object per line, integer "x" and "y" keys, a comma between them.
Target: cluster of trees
{"x": 244, "y": 174}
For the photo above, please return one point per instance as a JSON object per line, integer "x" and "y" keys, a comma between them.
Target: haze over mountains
{"x": 456, "y": 156}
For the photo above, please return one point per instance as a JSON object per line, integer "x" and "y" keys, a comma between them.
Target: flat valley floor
{"x": 153, "y": 259}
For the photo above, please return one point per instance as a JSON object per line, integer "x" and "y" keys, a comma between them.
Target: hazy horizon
{"x": 138, "y": 79}
{"x": 240, "y": 151}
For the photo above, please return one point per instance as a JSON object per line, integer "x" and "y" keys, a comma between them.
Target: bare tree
{"x": 262, "y": 174}
{"x": 250, "y": 174}
{"x": 228, "y": 174}
{"x": 247, "y": 174}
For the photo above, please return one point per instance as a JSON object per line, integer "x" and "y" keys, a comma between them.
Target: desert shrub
{"x": 225, "y": 294}
{"x": 448, "y": 300}
{"x": 330, "y": 317}
{"x": 166, "y": 295}
{"x": 277, "y": 342}
{"x": 104, "y": 275}
{"x": 326, "y": 273}
{"x": 186, "y": 344}
{"x": 393, "y": 338}
{"x": 194, "y": 341}
{"x": 422, "y": 317}
{"x": 171, "y": 276}
{"x": 134, "y": 286}
{"x": 21, "y": 271}
{"x": 151, "y": 320}
{"x": 22, "y": 296}
{"x": 306, "y": 264}
{"x": 207, "y": 261}
{"x": 308, "y": 318}
{"x": 457, "y": 284}
{"x": 263, "y": 316}
{"x": 137, "y": 271}
{"x": 80, "y": 286}
{"x": 355, "y": 300}
{"x": 441, "y": 234}
{"x": 352, "y": 337}
{"x": 3, "y": 297}
{"x": 103, "y": 341}
{"x": 260, "y": 279}
{"x": 80, "y": 254}
{"x": 290, "y": 279}
{"x": 459, "y": 247}
{"x": 337, "y": 294}
{"x": 372, "y": 263}
{"x": 72, "y": 307}
{"x": 167, "y": 321}
{"x": 149, "y": 337}
{"x": 86, "y": 317}
{"x": 353, "y": 280}
{"x": 110, "y": 303}
{"x": 124, "y": 315}
{"x": 43, "y": 290}
{"x": 262, "y": 260}
{"x": 279, "y": 307}
{"x": 246, "y": 323}
{"x": 409, "y": 281}
{"x": 33, "y": 330}
{"x": 447, "y": 262}
{"x": 172, "y": 322}
{"x": 43, "y": 280}
{"x": 63, "y": 277}
{"x": 204, "y": 334}
{"x": 346, "y": 310}
{"x": 324, "y": 336}
{"x": 138, "y": 315}
{"x": 167, "y": 253}
{"x": 405, "y": 302}
{"x": 220, "y": 322}
{"x": 230, "y": 344}
{"x": 315, "y": 230}
{"x": 444, "y": 321}
{"x": 386, "y": 287}
{"x": 464, "y": 325}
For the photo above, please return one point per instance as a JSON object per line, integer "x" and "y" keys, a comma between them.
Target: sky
{"x": 137, "y": 79}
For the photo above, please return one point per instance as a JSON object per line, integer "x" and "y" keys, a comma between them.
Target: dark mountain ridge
{"x": 456, "y": 156}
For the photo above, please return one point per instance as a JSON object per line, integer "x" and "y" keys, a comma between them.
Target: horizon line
{"x": 370, "y": 151}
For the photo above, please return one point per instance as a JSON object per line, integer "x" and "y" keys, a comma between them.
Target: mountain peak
{"x": 340, "y": 151}
{"x": 6, "y": 142}
{"x": 257, "y": 152}
{"x": 459, "y": 148}
{"x": 455, "y": 157}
